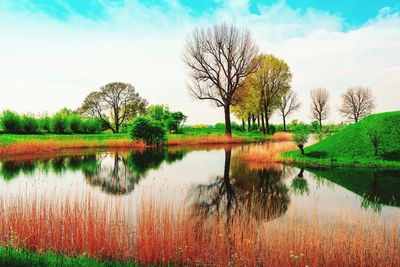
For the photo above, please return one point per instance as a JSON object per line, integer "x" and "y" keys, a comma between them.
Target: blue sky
{"x": 353, "y": 12}
{"x": 56, "y": 52}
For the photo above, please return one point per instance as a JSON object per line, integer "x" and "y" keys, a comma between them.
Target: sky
{"x": 54, "y": 53}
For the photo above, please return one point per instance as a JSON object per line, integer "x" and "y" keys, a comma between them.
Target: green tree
{"x": 300, "y": 139}
{"x": 148, "y": 130}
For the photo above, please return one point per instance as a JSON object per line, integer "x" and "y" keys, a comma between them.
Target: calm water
{"x": 211, "y": 180}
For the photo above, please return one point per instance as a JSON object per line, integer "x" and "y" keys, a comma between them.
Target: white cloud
{"x": 47, "y": 64}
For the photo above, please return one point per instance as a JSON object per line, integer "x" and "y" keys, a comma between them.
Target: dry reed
{"x": 164, "y": 233}
{"x": 282, "y": 137}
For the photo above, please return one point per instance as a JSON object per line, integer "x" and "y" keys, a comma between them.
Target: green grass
{"x": 6, "y": 139}
{"x": 10, "y": 256}
{"x": 352, "y": 146}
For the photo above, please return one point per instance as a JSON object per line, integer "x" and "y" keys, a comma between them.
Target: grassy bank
{"x": 12, "y": 144}
{"x": 352, "y": 146}
{"x": 21, "y": 257}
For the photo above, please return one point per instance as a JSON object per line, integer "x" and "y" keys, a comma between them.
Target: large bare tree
{"x": 357, "y": 102}
{"x": 218, "y": 59}
{"x": 117, "y": 100}
{"x": 319, "y": 104}
{"x": 288, "y": 104}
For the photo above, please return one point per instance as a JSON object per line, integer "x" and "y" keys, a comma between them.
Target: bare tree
{"x": 288, "y": 104}
{"x": 218, "y": 60}
{"x": 319, "y": 105}
{"x": 118, "y": 100}
{"x": 357, "y": 102}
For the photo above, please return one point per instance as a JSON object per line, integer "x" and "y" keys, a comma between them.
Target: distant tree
{"x": 118, "y": 100}
{"x": 272, "y": 80}
{"x": 218, "y": 60}
{"x": 357, "y": 102}
{"x": 374, "y": 135}
{"x": 288, "y": 104}
{"x": 319, "y": 105}
{"x": 11, "y": 122}
{"x": 300, "y": 139}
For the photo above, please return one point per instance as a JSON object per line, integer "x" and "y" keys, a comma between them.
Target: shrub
{"x": 219, "y": 125}
{"x": 300, "y": 139}
{"x": 11, "y": 122}
{"x": 91, "y": 126}
{"x": 44, "y": 124}
{"x": 59, "y": 124}
{"x": 75, "y": 124}
{"x": 29, "y": 125}
{"x": 148, "y": 130}
{"x": 236, "y": 127}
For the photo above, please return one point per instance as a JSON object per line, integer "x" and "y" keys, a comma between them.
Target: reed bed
{"x": 265, "y": 153}
{"x": 206, "y": 140}
{"x": 55, "y": 146}
{"x": 282, "y": 137}
{"x": 161, "y": 233}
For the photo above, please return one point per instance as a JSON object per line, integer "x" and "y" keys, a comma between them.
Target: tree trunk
{"x": 258, "y": 121}
{"x": 320, "y": 123}
{"x": 262, "y": 123}
{"x": 243, "y": 125}
{"x": 266, "y": 122}
{"x": 228, "y": 127}
{"x": 284, "y": 123}
{"x": 249, "y": 123}
{"x": 301, "y": 147}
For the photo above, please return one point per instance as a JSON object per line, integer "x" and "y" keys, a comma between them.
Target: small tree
{"x": 29, "y": 124}
{"x": 288, "y": 104}
{"x": 319, "y": 105}
{"x": 375, "y": 136}
{"x": 300, "y": 139}
{"x": 148, "y": 130}
{"x": 357, "y": 102}
{"x": 11, "y": 122}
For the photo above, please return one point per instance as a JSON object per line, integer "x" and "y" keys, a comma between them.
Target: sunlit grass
{"x": 160, "y": 232}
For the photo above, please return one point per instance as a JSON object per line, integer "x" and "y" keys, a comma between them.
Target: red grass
{"x": 265, "y": 153}
{"x": 206, "y": 140}
{"x": 55, "y": 146}
{"x": 282, "y": 137}
{"x": 166, "y": 233}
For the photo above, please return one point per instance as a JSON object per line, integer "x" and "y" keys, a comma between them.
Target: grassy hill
{"x": 352, "y": 145}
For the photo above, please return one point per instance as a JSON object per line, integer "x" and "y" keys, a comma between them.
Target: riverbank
{"x": 370, "y": 143}
{"x": 12, "y": 144}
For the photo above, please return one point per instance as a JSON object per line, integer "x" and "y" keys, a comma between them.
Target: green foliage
{"x": 148, "y": 130}
{"x": 352, "y": 145}
{"x": 171, "y": 121}
{"x": 21, "y": 257}
{"x": 29, "y": 124}
{"x": 11, "y": 122}
{"x": 300, "y": 137}
{"x": 75, "y": 124}
{"x": 59, "y": 124}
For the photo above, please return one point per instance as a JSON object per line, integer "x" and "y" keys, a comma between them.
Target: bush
{"x": 11, "y": 122}
{"x": 91, "y": 126}
{"x": 59, "y": 124}
{"x": 219, "y": 125}
{"x": 148, "y": 130}
{"x": 75, "y": 124}
{"x": 236, "y": 127}
{"x": 44, "y": 124}
{"x": 29, "y": 125}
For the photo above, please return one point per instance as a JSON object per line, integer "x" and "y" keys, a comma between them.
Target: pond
{"x": 210, "y": 179}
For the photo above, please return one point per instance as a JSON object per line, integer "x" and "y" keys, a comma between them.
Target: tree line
{"x": 225, "y": 66}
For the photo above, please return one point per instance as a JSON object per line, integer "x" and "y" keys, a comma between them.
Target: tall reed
{"x": 157, "y": 232}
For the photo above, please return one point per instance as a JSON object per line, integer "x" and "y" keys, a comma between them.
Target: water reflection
{"x": 113, "y": 172}
{"x": 299, "y": 184}
{"x": 263, "y": 190}
{"x": 375, "y": 187}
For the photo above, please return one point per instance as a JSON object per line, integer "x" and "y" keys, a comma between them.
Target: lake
{"x": 210, "y": 179}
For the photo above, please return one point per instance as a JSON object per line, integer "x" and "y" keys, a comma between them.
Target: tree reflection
{"x": 114, "y": 172}
{"x": 262, "y": 191}
{"x": 299, "y": 184}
